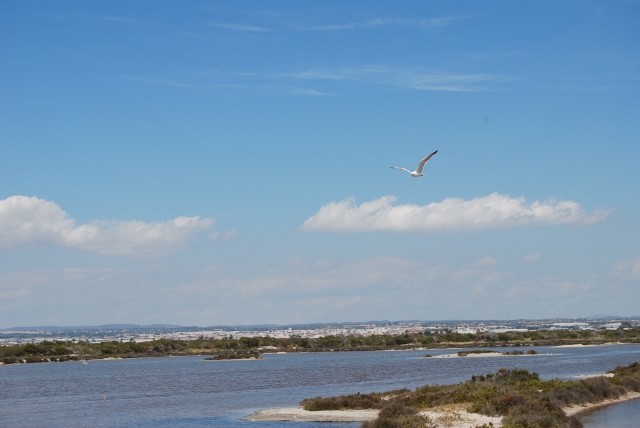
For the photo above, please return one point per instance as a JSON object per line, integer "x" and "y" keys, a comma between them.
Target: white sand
{"x": 452, "y": 417}
{"x": 482, "y": 355}
{"x": 457, "y": 417}
{"x": 577, "y": 410}
{"x": 580, "y": 345}
{"x": 301, "y": 415}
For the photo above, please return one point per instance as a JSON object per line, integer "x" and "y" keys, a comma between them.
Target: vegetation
{"x": 399, "y": 415}
{"x": 68, "y": 350}
{"x": 521, "y": 398}
{"x": 357, "y": 401}
{"x": 235, "y": 355}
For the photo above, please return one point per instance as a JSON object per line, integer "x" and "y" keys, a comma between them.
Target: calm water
{"x": 191, "y": 392}
{"x": 624, "y": 415}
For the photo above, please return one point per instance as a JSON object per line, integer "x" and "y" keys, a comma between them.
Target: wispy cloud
{"x": 238, "y": 27}
{"x": 125, "y": 20}
{"x": 485, "y": 212}
{"x": 14, "y": 294}
{"x": 309, "y": 91}
{"x": 430, "y": 23}
{"x": 121, "y": 19}
{"x": 30, "y": 220}
{"x": 323, "y": 81}
{"x": 398, "y": 287}
{"x": 159, "y": 81}
{"x": 629, "y": 269}
{"x": 409, "y": 78}
{"x": 452, "y": 82}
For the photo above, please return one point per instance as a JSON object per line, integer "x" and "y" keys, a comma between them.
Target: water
{"x": 192, "y": 392}
{"x": 623, "y": 415}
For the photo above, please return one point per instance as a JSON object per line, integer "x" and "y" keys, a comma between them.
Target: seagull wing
{"x": 399, "y": 167}
{"x": 423, "y": 161}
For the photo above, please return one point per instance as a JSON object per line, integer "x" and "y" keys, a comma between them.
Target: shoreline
{"x": 452, "y": 416}
{"x": 293, "y": 414}
{"x": 483, "y": 355}
{"x": 585, "y": 409}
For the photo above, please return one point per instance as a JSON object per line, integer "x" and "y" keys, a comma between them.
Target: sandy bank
{"x": 447, "y": 417}
{"x": 587, "y": 408}
{"x": 301, "y": 415}
{"x": 581, "y": 345}
{"x": 450, "y": 416}
{"x": 482, "y": 355}
{"x": 455, "y": 416}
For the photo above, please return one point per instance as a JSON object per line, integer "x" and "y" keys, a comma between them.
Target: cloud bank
{"x": 28, "y": 220}
{"x": 451, "y": 214}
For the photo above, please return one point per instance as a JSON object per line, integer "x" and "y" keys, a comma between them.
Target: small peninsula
{"x": 507, "y": 398}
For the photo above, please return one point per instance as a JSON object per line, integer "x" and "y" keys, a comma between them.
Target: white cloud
{"x": 30, "y": 220}
{"x": 486, "y": 261}
{"x": 227, "y": 236}
{"x": 629, "y": 269}
{"x": 530, "y": 258}
{"x": 484, "y": 212}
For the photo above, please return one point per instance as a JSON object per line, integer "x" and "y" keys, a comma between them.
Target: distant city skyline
{"x": 141, "y": 333}
{"x": 226, "y": 163}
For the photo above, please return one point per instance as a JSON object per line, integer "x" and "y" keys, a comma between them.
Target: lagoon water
{"x": 623, "y": 415}
{"x": 192, "y": 392}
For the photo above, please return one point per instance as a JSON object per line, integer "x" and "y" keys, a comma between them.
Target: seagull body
{"x": 417, "y": 172}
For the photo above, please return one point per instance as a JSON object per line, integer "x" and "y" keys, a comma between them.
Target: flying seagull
{"x": 417, "y": 172}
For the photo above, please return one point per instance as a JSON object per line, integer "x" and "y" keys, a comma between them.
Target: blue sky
{"x": 224, "y": 162}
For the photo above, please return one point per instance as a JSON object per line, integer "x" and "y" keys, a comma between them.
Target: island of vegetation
{"x": 519, "y": 398}
{"x": 239, "y": 355}
{"x": 58, "y": 351}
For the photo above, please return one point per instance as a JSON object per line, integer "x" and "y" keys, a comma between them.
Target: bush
{"x": 507, "y": 376}
{"x": 398, "y": 415}
{"x": 538, "y": 414}
{"x": 342, "y": 402}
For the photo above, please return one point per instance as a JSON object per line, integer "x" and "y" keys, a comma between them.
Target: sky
{"x": 224, "y": 162}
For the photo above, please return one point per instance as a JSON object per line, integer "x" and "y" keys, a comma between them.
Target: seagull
{"x": 417, "y": 172}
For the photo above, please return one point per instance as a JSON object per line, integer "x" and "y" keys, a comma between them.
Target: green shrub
{"x": 342, "y": 402}
{"x": 398, "y": 415}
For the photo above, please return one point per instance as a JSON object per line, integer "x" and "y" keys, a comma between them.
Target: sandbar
{"x": 301, "y": 415}
{"x": 447, "y": 417}
{"x": 482, "y": 355}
